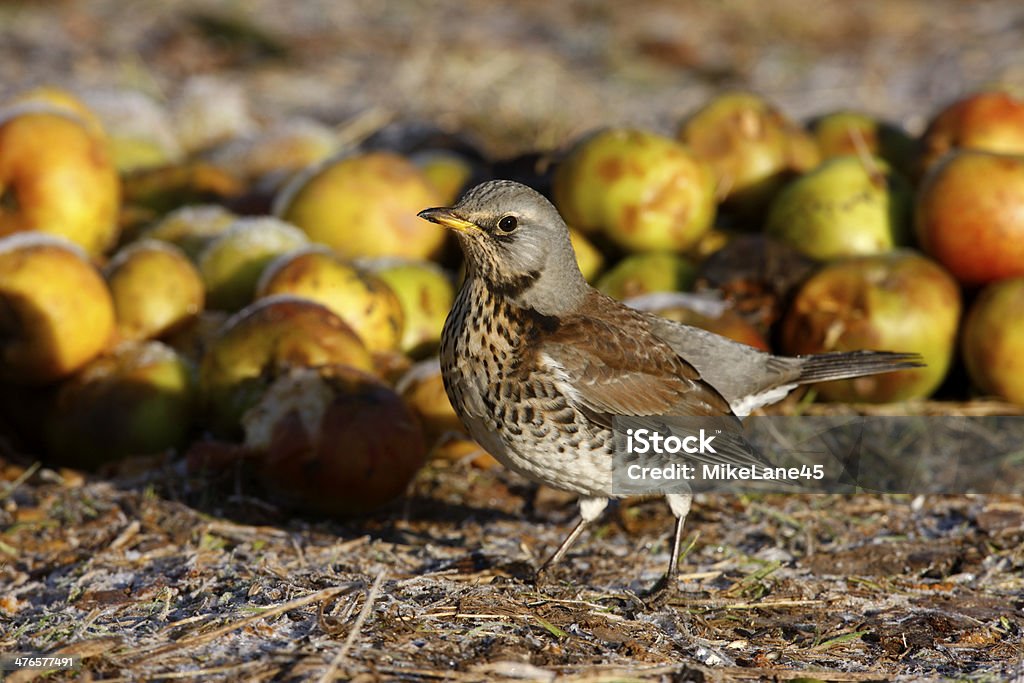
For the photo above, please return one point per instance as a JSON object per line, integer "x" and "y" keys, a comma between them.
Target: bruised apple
{"x": 333, "y": 441}
{"x": 993, "y": 340}
{"x": 56, "y": 313}
{"x": 751, "y": 146}
{"x": 263, "y": 340}
{"x": 136, "y": 400}
{"x": 645, "y": 192}
{"x": 425, "y": 292}
{"x": 365, "y": 302}
{"x": 899, "y": 301}
{"x": 57, "y": 177}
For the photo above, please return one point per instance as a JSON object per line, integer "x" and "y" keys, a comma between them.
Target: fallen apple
{"x": 969, "y": 215}
{"x": 426, "y": 294}
{"x": 644, "y": 273}
{"x": 645, "y": 192}
{"x": 365, "y": 302}
{"x": 263, "y": 340}
{"x": 192, "y": 227}
{"x": 847, "y": 206}
{"x": 898, "y": 301}
{"x": 749, "y": 144}
{"x": 990, "y": 121}
{"x": 843, "y": 133}
{"x": 993, "y": 340}
{"x": 156, "y": 289}
{"x": 57, "y": 177}
{"x": 56, "y": 313}
{"x": 232, "y": 263}
{"x": 333, "y": 441}
{"x": 364, "y": 205}
{"x": 136, "y": 400}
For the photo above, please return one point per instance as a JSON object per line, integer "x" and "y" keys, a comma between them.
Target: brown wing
{"x": 617, "y": 367}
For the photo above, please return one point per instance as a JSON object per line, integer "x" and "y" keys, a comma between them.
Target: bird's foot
{"x": 660, "y": 593}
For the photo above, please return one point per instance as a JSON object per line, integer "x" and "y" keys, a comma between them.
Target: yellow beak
{"x": 448, "y": 219}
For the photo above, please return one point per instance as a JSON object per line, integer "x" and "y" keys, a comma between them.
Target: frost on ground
{"x": 157, "y": 573}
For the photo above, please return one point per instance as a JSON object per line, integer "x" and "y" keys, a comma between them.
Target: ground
{"x": 156, "y": 574}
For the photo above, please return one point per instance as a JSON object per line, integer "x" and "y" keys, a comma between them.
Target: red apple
{"x": 990, "y": 121}
{"x": 970, "y": 215}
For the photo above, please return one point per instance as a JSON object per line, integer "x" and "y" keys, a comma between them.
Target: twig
{"x": 339, "y": 658}
{"x": 325, "y": 594}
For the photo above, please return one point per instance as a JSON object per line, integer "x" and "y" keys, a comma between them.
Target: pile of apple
{"x": 858, "y": 235}
{"x": 173, "y": 281}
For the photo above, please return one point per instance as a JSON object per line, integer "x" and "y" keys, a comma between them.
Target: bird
{"x": 539, "y": 365}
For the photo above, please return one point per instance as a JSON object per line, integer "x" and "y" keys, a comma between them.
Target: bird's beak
{"x": 448, "y": 219}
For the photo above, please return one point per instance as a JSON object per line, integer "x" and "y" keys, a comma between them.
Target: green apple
{"x": 192, "y": 227}
{"x": 847, "y": 206}
{"x": 136, "y": 400}
{"x": 645, "y": 273}
{"x": 232, "y": 263}
{"x": 645, "y": 192}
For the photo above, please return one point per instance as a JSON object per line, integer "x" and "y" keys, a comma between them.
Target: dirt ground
{"x": 156, "y": 574}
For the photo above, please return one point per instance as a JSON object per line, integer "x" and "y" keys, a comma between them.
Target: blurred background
{"x": 525, "y": 74}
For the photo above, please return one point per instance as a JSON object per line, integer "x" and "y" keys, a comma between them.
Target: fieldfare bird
{"x": 538, "y": 364}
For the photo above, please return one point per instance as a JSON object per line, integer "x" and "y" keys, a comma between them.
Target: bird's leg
{"x": 666, "y": 586}
{"x": 590, "y": 509}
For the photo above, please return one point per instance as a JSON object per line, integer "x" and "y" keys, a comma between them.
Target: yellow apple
{"x": 426, "y": 294}
{"x": 362, "y": 300}
{"x": 364, "y": 205}
{"x": 57, "y": 177}
{"x": 645, "y": 192}
{"x": 286, "y": 146}
{"x": 56, "y": 313}
{"x": 156, "y": 289}
{"x": 139, "y": 129}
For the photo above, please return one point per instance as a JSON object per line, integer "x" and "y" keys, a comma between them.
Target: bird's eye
{"x": 508, "y": 223}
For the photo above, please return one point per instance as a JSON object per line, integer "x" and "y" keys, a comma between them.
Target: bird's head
{"x": 515, "y": 241}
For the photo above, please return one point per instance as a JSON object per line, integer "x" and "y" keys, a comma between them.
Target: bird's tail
{"x": 846, "y": 364}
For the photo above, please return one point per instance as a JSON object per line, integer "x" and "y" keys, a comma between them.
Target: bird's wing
{"x": 617, "y": 374}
